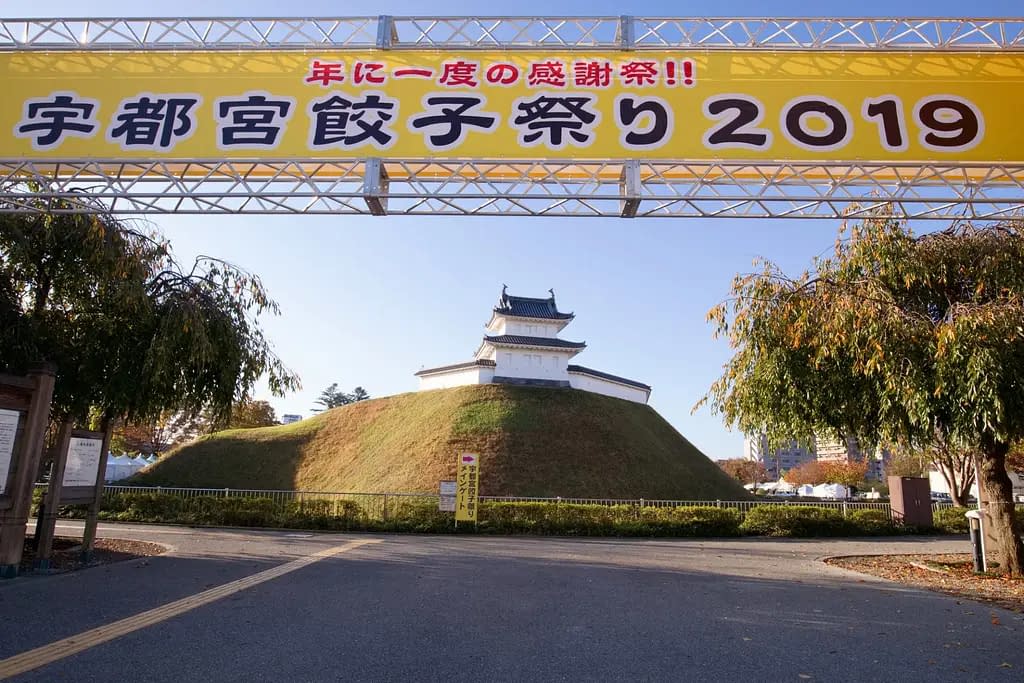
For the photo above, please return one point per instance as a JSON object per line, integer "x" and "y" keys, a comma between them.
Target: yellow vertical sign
{"x": 467, "y": 490}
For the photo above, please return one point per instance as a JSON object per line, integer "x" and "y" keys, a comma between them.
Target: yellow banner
{"x": 467, "y": 488}
{"x": 750, "y": 105}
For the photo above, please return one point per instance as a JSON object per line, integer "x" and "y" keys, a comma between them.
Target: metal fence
{"x": 383, "y": 505}
{"x": 373, "y": 505}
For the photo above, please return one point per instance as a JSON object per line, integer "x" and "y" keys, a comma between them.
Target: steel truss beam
{"x": 467, "y": 33}
{"x": 527, "y": 187}
{"x": 519, "y": 188}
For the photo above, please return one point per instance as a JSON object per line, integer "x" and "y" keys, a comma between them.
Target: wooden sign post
{"x": 76, "y": 478}
{"x": 92, "y": 517}
{"x": 24, "y": 416}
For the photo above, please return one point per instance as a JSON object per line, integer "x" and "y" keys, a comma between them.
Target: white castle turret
{"x": 522, "y": 347}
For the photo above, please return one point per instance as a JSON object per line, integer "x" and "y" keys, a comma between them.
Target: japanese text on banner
{"x": 714, "y": 105}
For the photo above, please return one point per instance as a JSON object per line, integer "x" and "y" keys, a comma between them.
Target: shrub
{"x": 412, "y": 514}
{"x": 417, "y": 516}
{"x": 691, "y": 521}
{"x": 553, "y": 518}
{"x": 950, "y": 521}
{"x": 332, "y": 515}
{"x": 796, "y": 521}
{"x": 872, "y": 522}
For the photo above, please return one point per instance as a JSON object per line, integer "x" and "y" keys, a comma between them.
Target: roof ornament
{"x": 552, "y": 292}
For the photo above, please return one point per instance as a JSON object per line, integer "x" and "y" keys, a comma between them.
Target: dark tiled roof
{"x": 604, "y": 375}
{"x": 529, "y": 307}
{"x": 518, "y": 340}
{"x": 483, "y": 363}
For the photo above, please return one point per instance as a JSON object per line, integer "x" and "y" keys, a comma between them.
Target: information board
{"x": 83, "y": 462}
{"x": 446, "y": 501}
{"x": 8, "y": 434}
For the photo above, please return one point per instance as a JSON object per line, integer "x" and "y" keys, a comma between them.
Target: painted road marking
{"x": 47, "y": 654}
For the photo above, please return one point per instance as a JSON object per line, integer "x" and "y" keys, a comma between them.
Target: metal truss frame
{"x": 510, "y": 33}
{"x": 516, "y": 188}
{"x": 528, "y": 187}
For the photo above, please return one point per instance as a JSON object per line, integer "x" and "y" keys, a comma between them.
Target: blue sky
{"x": 369, "y": 301}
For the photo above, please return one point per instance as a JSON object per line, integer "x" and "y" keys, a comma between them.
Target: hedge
{"x": 950, "y": 521}
{"x": 796, "y": 521}
{"x": 538, "y": 518}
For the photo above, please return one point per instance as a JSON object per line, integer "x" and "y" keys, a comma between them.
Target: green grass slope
{"x": 532, "y": 442}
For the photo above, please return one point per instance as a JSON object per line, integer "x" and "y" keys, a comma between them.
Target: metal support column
{"x": 375, "y": 187}
{"x": 630, "y": 186}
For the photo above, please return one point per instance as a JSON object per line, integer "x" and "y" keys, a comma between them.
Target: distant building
{"x": 775, "y": 462}
{"x": 848, "y": 450}
{"x": 288, "y": 419}
{"x": 522, "y": 347}
{"x": 791, "y": 454}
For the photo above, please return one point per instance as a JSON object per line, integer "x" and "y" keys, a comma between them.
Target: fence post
{"x": 384, "y": 511}
{"x": 718, "y": 504}
{"x": 844, "y": 508}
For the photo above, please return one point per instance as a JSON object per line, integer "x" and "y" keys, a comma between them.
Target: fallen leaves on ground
{"x": 952, "y": 574}
{"x": 66, "y": 555}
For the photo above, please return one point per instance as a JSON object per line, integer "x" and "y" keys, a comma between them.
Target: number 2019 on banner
{"x": 946, "y": 123}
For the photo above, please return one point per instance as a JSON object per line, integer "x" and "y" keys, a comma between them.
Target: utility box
{"x": 911, "y": 501}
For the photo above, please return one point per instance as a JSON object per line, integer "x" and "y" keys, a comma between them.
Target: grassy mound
{"x": 532, "y": 442}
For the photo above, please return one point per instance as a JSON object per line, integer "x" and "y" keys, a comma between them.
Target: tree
{"x": 894, "y": 338}
{"x": 810, "y": 472}
{"x": 905, "y": 462}
{"x": 849, "y": 473}
{"x": 132, "y": 333}
{"x": 247, "y": 414}
{"x": 956, "y": 467}
{"x": 1015, "y": 459}
{"x": 143, "y": 436}
{"x": 744, "y": 471}
{"x": 331, "y": 397}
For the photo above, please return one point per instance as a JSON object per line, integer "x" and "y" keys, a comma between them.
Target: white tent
{"x": 780, "y": 486}
{"x": 123, "y": 466}
{"x": 115, "y": 468}
{"x": 806, "y": 491}
{"x": 831, "y": 491}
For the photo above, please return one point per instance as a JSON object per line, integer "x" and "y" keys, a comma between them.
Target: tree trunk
{"x": 1000, "y": 507}
{"x": 958, "y": 472}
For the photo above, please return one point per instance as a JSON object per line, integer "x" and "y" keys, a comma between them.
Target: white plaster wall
{"x": 529, "y": 329}
{"x": 603, "y": 386}
{"x": 524, "y": 364}
{"x": 457, "y": 378}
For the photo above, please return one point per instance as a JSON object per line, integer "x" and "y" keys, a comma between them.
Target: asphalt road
{"x": 464, "y": 608}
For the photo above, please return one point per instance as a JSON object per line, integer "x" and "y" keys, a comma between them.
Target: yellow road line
{"x": 47, "y": 654}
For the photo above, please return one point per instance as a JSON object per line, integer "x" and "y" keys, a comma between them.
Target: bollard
{"x": 978, "y": 550}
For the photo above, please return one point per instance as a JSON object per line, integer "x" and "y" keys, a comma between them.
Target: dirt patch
{"x": 67, "y": 553}
{"x": 951, "y": 574}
